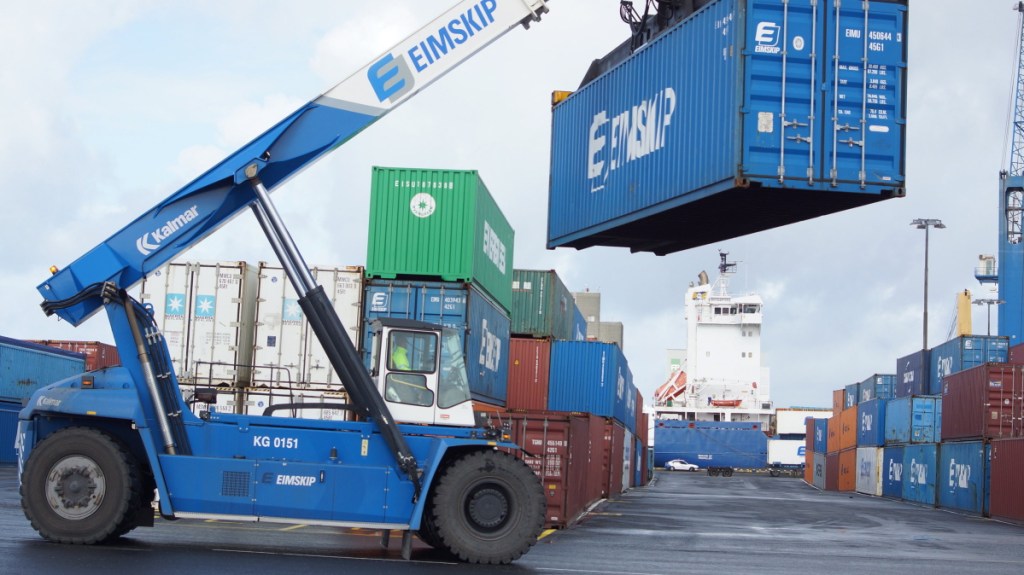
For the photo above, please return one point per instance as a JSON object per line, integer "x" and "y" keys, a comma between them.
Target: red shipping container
{"x": 809, "y": 437}
{"x": 847, "y": 470}
{"x": 97, "y": 354}
{"x": 833, "y": 433}
{"x": 984, "y": 402}
{"x": 614, "y": 438}
{"x": 1006, "y": 494}
{"x": 557, "y": 447}
{"x": 832, "y": 472}
{"x": 847, "y": 428}
{"x": 1016, "y": 354}
{"x": 529, "y": 368}
{"x": 597, "y": 474}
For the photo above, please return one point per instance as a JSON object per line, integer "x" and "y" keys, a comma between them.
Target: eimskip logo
{"x": 767, "y": 38}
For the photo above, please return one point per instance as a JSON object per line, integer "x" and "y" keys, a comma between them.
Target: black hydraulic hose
{"x": 345, "y": 360}
{"x": 104, "y": 290}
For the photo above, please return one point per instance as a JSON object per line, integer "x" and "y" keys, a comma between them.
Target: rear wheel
{"x": 80, "y": 486}
{"x": 488, "y": 507}
{"x": 727, "y": 472}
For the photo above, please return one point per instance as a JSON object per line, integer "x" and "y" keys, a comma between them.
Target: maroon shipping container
{"x": 597, "y": 473}
{"x": 97, "y": 354}
{"x": 557, "y": 447}
{"x": 643, "y": 434}
{"x": 832, "y": 472}
{"x": 614, "y": 438}
{"x": 984, "y": 402}
{"x": 1006, "y": 490}
{"x": 1016, "y": 355}
{"x": 529, "y": 366}
{"x": 809, "y": 437}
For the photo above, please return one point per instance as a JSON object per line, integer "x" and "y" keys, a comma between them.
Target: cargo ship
{"x": 722, "y": 377}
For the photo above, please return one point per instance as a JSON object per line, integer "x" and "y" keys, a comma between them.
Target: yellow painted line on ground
{"x": 293, "y": 527}
{"x": 545, "y": 533}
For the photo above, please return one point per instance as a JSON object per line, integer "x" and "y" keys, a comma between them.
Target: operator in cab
{"x": 410, "y": 389}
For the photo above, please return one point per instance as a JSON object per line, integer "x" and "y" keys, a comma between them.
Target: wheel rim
{"x": 488, "y": 508}
{"x": 75, "y": 487}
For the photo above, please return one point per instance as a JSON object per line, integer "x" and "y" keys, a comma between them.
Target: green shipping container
{"x": 541, "y": 305}
{"x": 439, "y": 224}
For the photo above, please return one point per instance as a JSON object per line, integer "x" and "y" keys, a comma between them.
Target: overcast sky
{"x": 108, "y": 107}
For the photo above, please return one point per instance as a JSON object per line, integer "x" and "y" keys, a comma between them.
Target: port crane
{"x": 93, "y": 449}
{"x": 1010, "y": 275}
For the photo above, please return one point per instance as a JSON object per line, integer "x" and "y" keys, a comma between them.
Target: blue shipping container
{"x": 919, "y": 467}
{"x": 711, "y": 443}
{"x": 871, "y": 423}
{"x": 483, "y": 326}
{"x": 852, "y": 395}
{"x": 8, "y": 431}
{"x": 791, "y": 113}
{"x": 26, "y": 367}
{"x": 912, "y": 374}
{"x": 963, "y": 353}
{"x": 913, "y": 420}
{"x": 591, "y": 377}
{"x": 963, "y": 477}
{"x": 878, "y": 386}
{"x": 579, "y": 325}
{"x": 821, "y": 435}
{"x": 892, "y": 472}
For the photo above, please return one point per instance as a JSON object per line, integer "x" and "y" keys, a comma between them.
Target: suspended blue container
{"x": 791, "y": 110}
{"x": 913, "y": 420}
{"x": 892, "y": 471}
{"x": 912, "y": 374}
{"x": 590, "y": 377}
{"x": 484, "y": 328}
{"x": 964, "y": 476}
{"x": 871, "y": 423}
{"x": 920, "y": 470}
{"x": 963, "y": 353}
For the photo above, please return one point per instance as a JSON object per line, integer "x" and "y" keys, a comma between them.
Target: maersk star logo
{"x": 291, "y": 311}
{"x": 175, "y": 304}
{"x": 205, "y": 306}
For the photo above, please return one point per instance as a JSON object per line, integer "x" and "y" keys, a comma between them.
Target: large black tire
{"x": 488, "y": 507}
{"x": 80, "y": 486}
{"x": 428, "y": 531}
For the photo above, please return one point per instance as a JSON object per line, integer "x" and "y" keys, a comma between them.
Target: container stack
{"x": 946, "y": 430}
{"x": 440, "y": 250}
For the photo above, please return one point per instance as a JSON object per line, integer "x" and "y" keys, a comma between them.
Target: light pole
{"x": 989, "y": 302}
{"x": 925, "y": 224}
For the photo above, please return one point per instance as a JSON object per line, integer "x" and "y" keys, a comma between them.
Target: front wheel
{"x": 488, "y": 507}
{"x": 79, "y": 487}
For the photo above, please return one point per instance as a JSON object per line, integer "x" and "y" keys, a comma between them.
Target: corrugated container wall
{"x": 838, "y": 400}
{"x": 441, "y": 224}
{"x": 742, "y": 104}
{"x": 892, "y": 472}
{"x": 285, "y": 350}
{"x": 711, "y": 443}
{"x": 809, "y": 435}
{"x": 984, "y": 402}
{"x": 848, "y": 428}
{"x": 528, "y": 372}
{"x": 590, "y": 377}
{"x": 852, "y": 396}
{"x": 8, "y": 431}
{"x": 871, "y": 423}
{"x": 97, "y": 354}
{"x": 912, "y": 374}
{"x": 832, "y": 471}
{"x": 878, "y": 386}
{"x": 1016, "y": 354}
{"x": 821, "y": 435}
{"x": 541, "y": 305}
{"x": 1007, "y": 472}
{"x": 913, "y": 420}
{"x": 962, "y": 353}
{"x": 869, "y": 476}
{"x": 482, "y": 325}
{"x": 832, "y": 443}
{"x": 963, "y": 476}
{"x": 919, "y": 465}
{"x": 847, "y": 470}
{"x": 206, "y": 313}
{"x": 579, "y": 325}
{"x": 820, "y": 469}
{"x": 26, "y": 367}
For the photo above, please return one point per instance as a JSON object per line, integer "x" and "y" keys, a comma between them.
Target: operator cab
{"x": 420, "y": 372}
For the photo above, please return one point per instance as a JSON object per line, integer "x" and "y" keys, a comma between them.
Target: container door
{"x": 865, "y": 63}
{"x": 782, "y": 90}
{"x": 277, "y": 350}
{"x": 345, "y": 288}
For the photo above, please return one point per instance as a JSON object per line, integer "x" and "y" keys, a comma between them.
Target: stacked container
{"x": 912, "y": 374}
{"x": 542, "y": 307}
{"x": 963, "y": 353}
{"x": 1007, "y": 473}
{"x": 592, "y": 377}
{"x": 891, "y": 471}
{"x": 25, "y": 367}
{"x": 878, "y": 386}
{"x": 913, "y": 420}
{"x": 98, "y": 355}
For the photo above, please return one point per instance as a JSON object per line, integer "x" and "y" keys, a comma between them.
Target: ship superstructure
{"x": 723, "y": 378}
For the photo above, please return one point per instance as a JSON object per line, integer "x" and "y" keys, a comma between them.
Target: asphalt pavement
{"x": 682, "y": 523}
